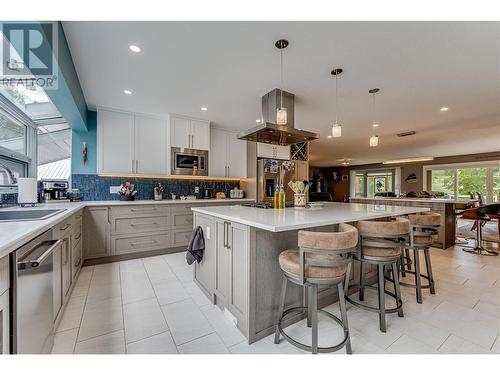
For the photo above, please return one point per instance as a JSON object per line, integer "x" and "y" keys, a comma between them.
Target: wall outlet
{"x": 114, "y": 189}
{"x": 196, "y": 189}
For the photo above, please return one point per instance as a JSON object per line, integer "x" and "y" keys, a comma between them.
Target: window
{"x": 367, "y": 183}
{"x": 443, "y": 180}
{"x": 460, "y": 180}
{"x": 54, "y": 152}
{"x": 12, "y": 134}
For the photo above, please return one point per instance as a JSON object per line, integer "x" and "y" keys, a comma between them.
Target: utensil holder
{"x": 299, "y": 200}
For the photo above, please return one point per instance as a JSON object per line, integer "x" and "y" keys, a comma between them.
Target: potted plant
{"x": 127, "y": 191}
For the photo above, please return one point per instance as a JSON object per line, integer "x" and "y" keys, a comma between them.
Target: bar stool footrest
{"x": 393, "y": 310}
{"x": 308, "y": 348}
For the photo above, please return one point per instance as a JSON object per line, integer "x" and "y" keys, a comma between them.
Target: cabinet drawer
{"x": 62, "y": 229}
{"x": 182, "y": 208}
{"x": 181, "y": 237}
{"x": 77, "y": 233}
{"x": 139, "y": 211}
{"x": 76, "y": 259}
{"x": 182, "y": 220}
{"x": 4, "y": 274}
{"x": 140, "y": 225}
{"x": 126, "y": 245}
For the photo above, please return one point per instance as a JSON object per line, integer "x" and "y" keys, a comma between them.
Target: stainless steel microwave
{"x": 189, "y": 162}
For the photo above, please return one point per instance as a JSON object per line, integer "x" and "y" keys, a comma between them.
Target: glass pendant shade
{"x": 374, "y": 141}
{"x": 336, "y": 130}
{"x": 281, "y": 116}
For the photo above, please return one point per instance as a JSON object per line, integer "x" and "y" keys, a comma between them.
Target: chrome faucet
{"x": 10, "y": 174}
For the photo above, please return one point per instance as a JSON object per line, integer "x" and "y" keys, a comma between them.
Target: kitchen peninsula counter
{"x": 240, "y": 272}
{"x": 444, "y": 207}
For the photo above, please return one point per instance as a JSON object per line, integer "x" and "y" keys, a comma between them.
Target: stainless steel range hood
{"x": 269, "y": 131}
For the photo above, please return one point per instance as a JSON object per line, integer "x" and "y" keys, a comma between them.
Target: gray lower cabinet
{"x": 232, "y": 265}
{"x": 4, "y": 305}
{"x": 96, "y": 232}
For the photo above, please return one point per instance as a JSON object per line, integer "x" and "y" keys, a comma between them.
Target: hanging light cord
{"x": 336, "y": 99}
{"x": 373, "y": 114}
{"x": 281, "y": 75}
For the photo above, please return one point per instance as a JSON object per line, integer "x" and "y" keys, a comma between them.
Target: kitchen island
{"x": 240, "y": 272}
{"x": 444, "y": 207}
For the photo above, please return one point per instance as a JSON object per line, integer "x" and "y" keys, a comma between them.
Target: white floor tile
{"x": 158, "y": 344}
{"x": 136, "y": 290}
{"x": 196, "y": 294}
{"x": 170, "y": 291}
{"x": 408, "y": 345}
{"x": 64, "y": 342}
{"x": 143, "y": 319}
{"x": 101, "y": 318}
{"x": 229, "y": 334}
{"x": 112, "y": 343}
{"x": 186, "y": 322}
{"x": 210, "y": 344}
{"x": 458, "y": 345}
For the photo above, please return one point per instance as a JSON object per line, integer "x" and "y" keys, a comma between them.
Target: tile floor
{"x": 151, "y": 305}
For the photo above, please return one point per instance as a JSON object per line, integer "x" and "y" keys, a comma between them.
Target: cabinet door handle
{"x": 133, "y": 166}
{"x": 78, "y": 263}
{"x": 66, "y": 227}
{"x": 77, "y": 238}
{"x": 136, "y": 166}
{"x": 228, "y": 171}
{"x": 142, "y": 224}
{"x": 224, "y": 235}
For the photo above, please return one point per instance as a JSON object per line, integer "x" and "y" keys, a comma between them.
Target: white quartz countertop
{"x": 292, "y": 219}
{"x": 404, "y": 199}
{"x": 14, "y": 234}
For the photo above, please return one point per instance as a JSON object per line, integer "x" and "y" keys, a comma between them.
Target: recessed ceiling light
{"x": 204, "y": 108}
{"x": 375, "y": 125}
{"x": 444, "y": 109}
{"x": 330, "y": 136}
{"x": 134, "y": 48}
{"x": 258, "y": 120}
{"x": 127, "y": 92}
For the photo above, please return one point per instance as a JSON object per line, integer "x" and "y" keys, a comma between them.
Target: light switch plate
{"x": 114, "y": 189}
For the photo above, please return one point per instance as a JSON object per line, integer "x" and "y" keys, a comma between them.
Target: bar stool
{"x": 322, "y": 260}
{"x": 381, "y": 243}
{"x": 422, "y": 229}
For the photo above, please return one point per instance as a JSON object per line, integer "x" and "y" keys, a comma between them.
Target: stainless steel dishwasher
{"x": 32, "y": 317}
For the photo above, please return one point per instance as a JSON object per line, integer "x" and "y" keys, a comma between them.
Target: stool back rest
{"x": 425, "y": 224}
{"x": 422, "y": 231}
{"x": 395, "y": 233}
{"x": 341, "y": 245}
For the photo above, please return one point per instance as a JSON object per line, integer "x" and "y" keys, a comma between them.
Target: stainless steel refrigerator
{"x": 268, "y": 172}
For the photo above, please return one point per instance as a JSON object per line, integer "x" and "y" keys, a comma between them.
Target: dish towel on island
{"x": 196, "y": 246}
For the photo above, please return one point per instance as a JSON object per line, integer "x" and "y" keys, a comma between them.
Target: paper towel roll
{"x": 27, "y": 190}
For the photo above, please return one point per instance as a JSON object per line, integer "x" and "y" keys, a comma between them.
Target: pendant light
{"x": 336, "y": 127}
{"x": 374, "y": 138}
{"x": 281, "y": 114}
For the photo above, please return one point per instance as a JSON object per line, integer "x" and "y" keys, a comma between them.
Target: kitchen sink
{"x": 26, "y": 215}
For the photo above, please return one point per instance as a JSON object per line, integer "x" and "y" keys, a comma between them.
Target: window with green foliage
{"x": 459, "y": 181}
{"x": 443, "y": 180}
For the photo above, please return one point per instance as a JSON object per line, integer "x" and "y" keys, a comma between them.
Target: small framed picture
{"x": 345, "y": 177}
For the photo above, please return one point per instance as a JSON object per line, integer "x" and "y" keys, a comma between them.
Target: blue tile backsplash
{"x": 95, "y": 188}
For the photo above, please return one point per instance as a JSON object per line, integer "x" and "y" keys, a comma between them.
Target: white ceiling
{"x": 228, "y": 66}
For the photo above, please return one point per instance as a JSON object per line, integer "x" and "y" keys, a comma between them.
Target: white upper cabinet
{"x": 189, "y": 133}
{"x": 115, "y": 142}
{"x": 228, "y": 156}
{"x": 180, "y": 134}
{"x": 131, "y": 144}
{"x": 150, "y": 145}
{"x": 265, "y": 150}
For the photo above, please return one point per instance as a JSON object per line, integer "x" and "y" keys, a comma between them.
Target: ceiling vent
{"x": 407, "y": 134}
